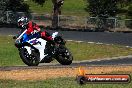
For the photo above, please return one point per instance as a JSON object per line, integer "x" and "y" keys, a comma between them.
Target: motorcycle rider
{"x": 33, "y": 30}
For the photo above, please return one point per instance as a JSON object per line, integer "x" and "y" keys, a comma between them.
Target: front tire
{"x": 30, "y": 60}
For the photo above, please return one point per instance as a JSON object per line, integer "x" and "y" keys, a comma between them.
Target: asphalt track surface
{"x": 111, "y": 62}
{"x": 97, "y": 37}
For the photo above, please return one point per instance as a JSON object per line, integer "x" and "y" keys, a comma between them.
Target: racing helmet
{"x": 22, "y": 22}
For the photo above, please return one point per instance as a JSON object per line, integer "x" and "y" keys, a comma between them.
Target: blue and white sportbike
{"x": 37, "y": 50}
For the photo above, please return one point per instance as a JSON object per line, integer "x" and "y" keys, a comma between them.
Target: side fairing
{"x": 41, "y": 46}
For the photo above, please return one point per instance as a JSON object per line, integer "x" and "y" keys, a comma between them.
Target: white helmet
{"x": 22, "y": 22}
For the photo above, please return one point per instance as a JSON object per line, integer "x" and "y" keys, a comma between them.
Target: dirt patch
{"x": 42, "y": 74}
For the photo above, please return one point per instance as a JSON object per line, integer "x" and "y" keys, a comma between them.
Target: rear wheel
{"x": 65, "y": 57}
{"x": 30, "y": 60}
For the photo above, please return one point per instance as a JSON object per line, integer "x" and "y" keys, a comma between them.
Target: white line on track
{"x": 98, "y": 43}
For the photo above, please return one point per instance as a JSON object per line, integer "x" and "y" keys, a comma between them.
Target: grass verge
{"x": 81, "y": 51}
{"x": 69, "y": 7}
{"x": 85, "y": 51}
{"x": 65, "y": 81}
{"x": 57, "y": 83}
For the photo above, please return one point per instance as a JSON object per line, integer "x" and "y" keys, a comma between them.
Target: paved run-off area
{"x": 50, "y": 72}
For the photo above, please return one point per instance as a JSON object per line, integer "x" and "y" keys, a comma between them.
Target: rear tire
{"x": 30, "y": 60}
{"x": 65, "y": 59}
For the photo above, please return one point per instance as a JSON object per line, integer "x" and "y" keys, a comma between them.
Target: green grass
{"x": 85, "y": 51}
{"x": 81, "y": 51}
{"x": 57, "y": 83}
{"x": 34, "y": 7}
{"x": 8, "y": 52}
{"x": 69, "y": 7}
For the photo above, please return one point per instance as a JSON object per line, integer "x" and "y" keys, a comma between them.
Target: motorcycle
{"x": 37, "y": 50}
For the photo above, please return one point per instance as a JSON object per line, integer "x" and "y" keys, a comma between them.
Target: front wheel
{"x": 64, "y": 56}
{"x": 30, "y": 60}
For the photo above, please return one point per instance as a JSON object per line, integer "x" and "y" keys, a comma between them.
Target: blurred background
{"x": 85, "y": 15}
